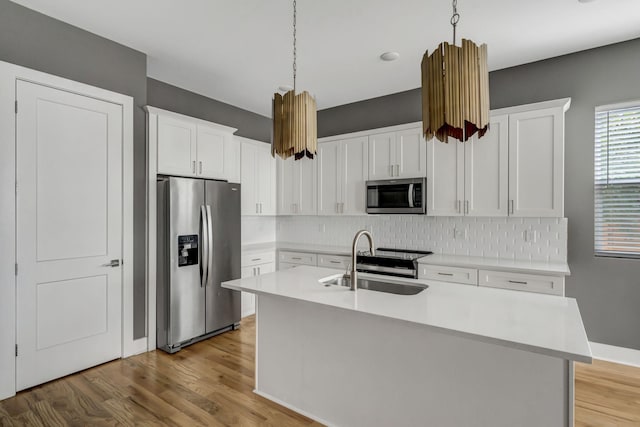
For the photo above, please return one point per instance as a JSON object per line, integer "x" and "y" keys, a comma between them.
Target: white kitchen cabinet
{"x": 467, "y": 276}
{"x": 334, "y": 261}
{"x": 536, "y": 162}
{"x": 299, "y": 258}
{"x": 469, "y": 178}
{"x": 553, "y": 285}
{"x": 254, "y": 264}
{"x": 297, "y": 186}
{"x": 258, "y": 178}
{"x": 399, "y": 154}
{"x": 176, "y": 146}
{"x": 342, "y": 176}
{"x": 196, "y": 148}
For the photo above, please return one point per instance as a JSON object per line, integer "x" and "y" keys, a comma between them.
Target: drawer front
{"x": 552, "y": 285}
{"x": 256, "y": 258}
{"x": 299, "y": 258}
{"x": 286, "y": 266}
{"x": 334, "y": 261}
{"x": 466, "y": 276}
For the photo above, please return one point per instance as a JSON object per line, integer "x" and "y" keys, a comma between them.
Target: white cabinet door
{"x": 486, "y": 171}
{"x": 354, "y": 174}
{"x": 536, "y": 163}
{"x": 232, "y": 153}
{"x": 382, "y": 155}
{"x": 267, "y": 268}
{"x": 266, "y": 180}
{"x": 411, "y": 154}
{"x": 308, "y": 193}
{"x": 285, "y": 186}
{"x": 176, "y": 146}
{"x": 210, "y": 153}
{"x": 329, "y": 179}
{"x": 445, "y": 178}
{"x": 248, "y": 193}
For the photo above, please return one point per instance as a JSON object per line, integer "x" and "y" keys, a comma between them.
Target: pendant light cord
{"x": 294, "y": 46}
{"x": 454, "y": 20}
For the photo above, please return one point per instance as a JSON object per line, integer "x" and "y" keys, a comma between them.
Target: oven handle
{"x": 411, "y": 195}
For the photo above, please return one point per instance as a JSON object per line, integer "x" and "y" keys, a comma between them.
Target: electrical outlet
{"x": 460, "y": 233}
{"x": 322, "y": 228}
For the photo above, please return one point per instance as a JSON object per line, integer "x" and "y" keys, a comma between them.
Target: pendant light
{"x": 295, "y": 130}
{"x": 455, "y": 89}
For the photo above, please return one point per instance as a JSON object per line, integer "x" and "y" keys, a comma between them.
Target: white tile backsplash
{"x": 535, "y": 239}
{"x": 258, "y": 229}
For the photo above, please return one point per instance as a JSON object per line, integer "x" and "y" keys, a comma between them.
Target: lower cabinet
{"x": 254, "y": 264}
{"x": 553, "y": 285}
{"x": 289, "y": 259}
{"x": 538, "y": 283}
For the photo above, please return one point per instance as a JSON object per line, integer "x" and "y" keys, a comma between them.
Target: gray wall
{"x": 36, "y": 41}
{"x": 172, "y": 98}
{"x": 607, "y": 289}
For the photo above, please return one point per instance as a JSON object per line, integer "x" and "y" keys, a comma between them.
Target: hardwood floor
{"x": 211, "y": 383}
{"x": 607, "y": 394}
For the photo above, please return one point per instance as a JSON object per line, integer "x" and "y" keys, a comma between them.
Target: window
{"x": 617, "y": 180}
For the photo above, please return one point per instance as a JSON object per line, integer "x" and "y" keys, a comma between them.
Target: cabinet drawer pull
{"x": 256, "y": 259}
{"x": 194, "y": 166}
{"x": 335, "y": 262}
{"x": 445, "y": 274}
{"x": 518, "y": 282}
{"x": 200, "y": 167}
{"x": 296, "y": 258}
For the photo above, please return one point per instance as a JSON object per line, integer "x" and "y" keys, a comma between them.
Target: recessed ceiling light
{"x": 285, "y": 88}
{"x": 389, "y": 56}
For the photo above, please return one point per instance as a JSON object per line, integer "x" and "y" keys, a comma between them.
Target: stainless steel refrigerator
{"x": 198, "y": 248}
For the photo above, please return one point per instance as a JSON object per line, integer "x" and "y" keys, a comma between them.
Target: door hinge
{"x": 16, "y": 268}
{"x": 16, "y": 350}
{"x": 16, "y": 107}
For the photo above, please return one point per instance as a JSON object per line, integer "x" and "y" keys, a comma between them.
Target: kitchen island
{"x": 451, "y": 355}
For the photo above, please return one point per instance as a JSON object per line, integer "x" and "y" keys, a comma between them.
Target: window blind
{"x": 617, "y": 181}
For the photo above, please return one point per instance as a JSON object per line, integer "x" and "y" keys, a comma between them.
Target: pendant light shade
{"x": 295, "y": 130}
{"x": 455, "y": 90}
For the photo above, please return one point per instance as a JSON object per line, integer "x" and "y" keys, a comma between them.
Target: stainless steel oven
{"x": 397, "y": 196}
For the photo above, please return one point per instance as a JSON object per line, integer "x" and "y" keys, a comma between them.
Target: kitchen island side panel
{"x": 354, "y": 369}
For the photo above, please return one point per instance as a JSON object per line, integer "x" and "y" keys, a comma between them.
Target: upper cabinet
{"x": 196, "y": 148}
{"x": 297, "y": 186}
{"x": 515, "y": 169}
{"x": 469, "y": 178}
{"x": 258, "y": 178}
{"x": 536, "y": 163}
{"x": 342, "y": 175}
{"x": 399, "y": 154}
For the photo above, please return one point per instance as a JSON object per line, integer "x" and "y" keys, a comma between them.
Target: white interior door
{"x": 69, "y": 228}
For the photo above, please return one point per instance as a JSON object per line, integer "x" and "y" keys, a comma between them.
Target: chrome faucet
{"x": 354, "y": 254}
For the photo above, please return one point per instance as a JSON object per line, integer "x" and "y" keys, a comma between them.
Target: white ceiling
{"x": 239, "y": 51}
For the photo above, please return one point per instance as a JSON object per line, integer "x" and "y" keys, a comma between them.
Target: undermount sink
{"x": 376, "y": 285}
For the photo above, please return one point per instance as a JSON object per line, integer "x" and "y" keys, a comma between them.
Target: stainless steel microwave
{"x": 397, "y": 196}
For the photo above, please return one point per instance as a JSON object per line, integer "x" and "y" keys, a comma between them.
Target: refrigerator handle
{"x": 204, "y": 246}
{"x": 209, "y": 241}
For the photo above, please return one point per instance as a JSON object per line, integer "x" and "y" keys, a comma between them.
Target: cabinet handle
{"x": 511, "y": 206}
{"x": 296, "y": 258}
{"x": 335, "y": 262}
{"x": 259, "y": 272}
{"x": 397, "y": 170}
{"x": 200, "y": 167}
{"x": 458, "y": 205}
{"x": 518, "y": 282}
{"x": 445, "y": 274}
{"x": 254, "y": 271}
{"x": 466, "y": 207}
{"x": 193, "y": 167}
{"x": 256, "y": 259}
{"x": 260, "y": 206}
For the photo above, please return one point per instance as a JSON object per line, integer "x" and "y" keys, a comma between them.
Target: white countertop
{"x": 543, "y": 324}
{"x": 520, "y": 266}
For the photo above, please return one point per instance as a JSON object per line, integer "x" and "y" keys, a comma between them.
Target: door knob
{"x": 112, "y": 263}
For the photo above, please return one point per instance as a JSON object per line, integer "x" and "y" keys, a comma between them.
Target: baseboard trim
{"x": 611, "y": 353}
{"x": 293, "y": 408}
